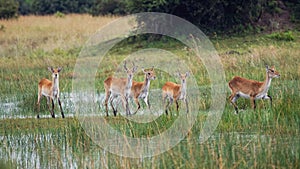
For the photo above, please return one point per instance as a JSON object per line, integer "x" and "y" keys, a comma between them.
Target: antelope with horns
{"x": 251, "y": 89}
{"x": 141, "y": 89}
{"x": 119, "y": 86}
{"x": 173, "y": 91}
{"x": 50, "y": 89}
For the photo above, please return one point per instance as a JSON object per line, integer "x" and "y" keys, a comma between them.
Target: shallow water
{"x": 11, "y": 108}
{"x": 62, "y": 150}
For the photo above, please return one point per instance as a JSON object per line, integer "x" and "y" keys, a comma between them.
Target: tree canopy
{"x": 209, "y": 15}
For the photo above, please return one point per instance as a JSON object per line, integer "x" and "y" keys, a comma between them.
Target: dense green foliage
{"x": 294, "y": 5}
{"x": 8, "y": 9}
{"x": 285, "y": 36}
{"x": 210, "y": 16}
{"x": 44, "y": 7}
{"x": 102, "y": 7}
{"x": 66, "y": 6}
{"x": 25, "y": 7}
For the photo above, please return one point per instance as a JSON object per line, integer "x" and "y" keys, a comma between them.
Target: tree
{"x": 8, "y": 9}
{"x": 25, "y": 7}
{"x": 209, "y": 15}
{"x": 44, "y": 7}
{"x": 104, "y": 7}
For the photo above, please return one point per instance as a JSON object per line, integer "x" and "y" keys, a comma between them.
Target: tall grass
{"x": 62, "y": 143}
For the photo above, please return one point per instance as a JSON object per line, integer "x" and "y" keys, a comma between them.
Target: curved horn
{"x": 267, "y": 67}
{"x": 125, "y": 67}
{"x": 134, "y": 67}
{"x": 187, "y": 73}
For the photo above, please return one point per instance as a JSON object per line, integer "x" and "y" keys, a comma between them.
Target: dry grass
{"x": 29, "y": 33}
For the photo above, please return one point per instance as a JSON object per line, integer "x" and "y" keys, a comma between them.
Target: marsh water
{"x": 68, "y": 146}
{"x": 12, "y": 107}
{"x": 59, "y": 149}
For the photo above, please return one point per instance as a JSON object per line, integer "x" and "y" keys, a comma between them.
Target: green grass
{"x": 265, "y": 138}
{"x": 61, "y": 139}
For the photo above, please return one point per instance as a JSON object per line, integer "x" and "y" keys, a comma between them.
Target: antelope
{"x": 251, "y": 89}
{"x": 173, "y": 91}
{"x": 50, "y": 89}
{"x": 141, "y": 89}
{"x": 119, "y": 87}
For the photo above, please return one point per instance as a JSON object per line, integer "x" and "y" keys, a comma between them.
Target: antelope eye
{"x": 149, "y": 73}
{"x": 272, "y": 71}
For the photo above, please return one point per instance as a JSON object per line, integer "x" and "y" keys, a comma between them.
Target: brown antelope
{"x": 141, "y": 89}
{"x": 176, "y": 92}
{"x": 251, "y": 89}
{"x": 50, "y": 89}
{"x": 119, "y": 87}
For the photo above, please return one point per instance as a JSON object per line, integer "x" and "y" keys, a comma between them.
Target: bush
{"x": 294, "y": 8}
{"x": 104, "y": 7}
{"x": 59, "y": 15}
{"x": 25, "y": 7}
{"x": 43, "y": 7}
{"x": 8, "y": 9}
{"x": 285, "y": 36}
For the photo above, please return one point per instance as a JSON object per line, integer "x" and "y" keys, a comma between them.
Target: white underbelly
{"x": 241, "y": 94}
{"x": 260, "y": 96}
{"x": 45, "y": 94}
{"x": 143, "y": 95}
{"x": 54, "y": 94}
{"x": 247, "y": 96}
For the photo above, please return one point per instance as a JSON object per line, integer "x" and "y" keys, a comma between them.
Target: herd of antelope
{"x": 127, "y": 88}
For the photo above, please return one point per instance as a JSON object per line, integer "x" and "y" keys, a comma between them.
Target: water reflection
{"x": 48, "y": 150}
{"x": 63, "y": 149}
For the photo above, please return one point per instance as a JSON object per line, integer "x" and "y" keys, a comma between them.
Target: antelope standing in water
{"x": 119, "y": 87}
{"x": 50, "y": 89}
{"x": 141, "y": 89}
{"x": 251, "y": 89}
{"x": 173, "y": 91}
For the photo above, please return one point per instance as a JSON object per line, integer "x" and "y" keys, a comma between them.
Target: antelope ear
{"x": 273, "y": 67}
{"x": 125, "y": 67}
{"x": 59, "y": 69}
{"x": 50, "y": 69}
{"x": 143, "y": 70}
{"x": 135, "y": 68}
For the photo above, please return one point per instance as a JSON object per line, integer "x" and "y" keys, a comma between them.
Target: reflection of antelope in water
{"x": 251, "y": 89}
{"x": 173, "y": 91}
{"x": 119, "y": 86}
{"x": 50, "y": 89}
{"x": 141, "y": 89}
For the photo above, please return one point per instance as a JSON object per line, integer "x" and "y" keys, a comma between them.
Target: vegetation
{"x": 223, "y": 16}
{"x": 267, "y": 137}
{"x": 8, "y": 9}
{"x": 210, "y": 16}
{"x": 287, "y": 36}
